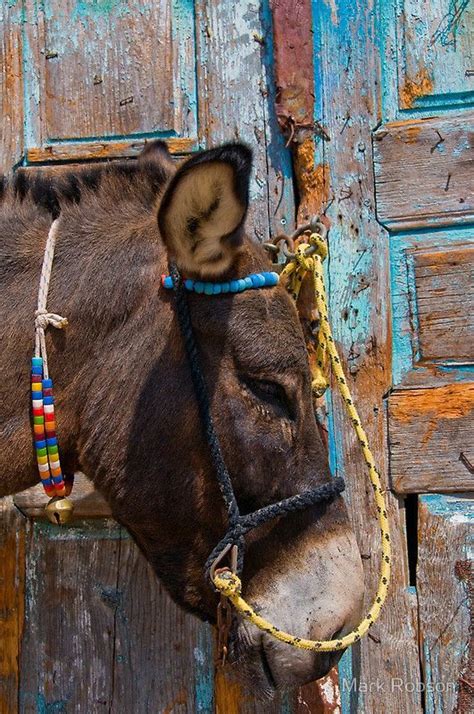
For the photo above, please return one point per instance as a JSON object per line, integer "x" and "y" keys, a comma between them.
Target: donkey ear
{"x": 202, "y": 213}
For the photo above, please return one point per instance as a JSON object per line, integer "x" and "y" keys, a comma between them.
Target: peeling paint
{"x": 420, "y": 85}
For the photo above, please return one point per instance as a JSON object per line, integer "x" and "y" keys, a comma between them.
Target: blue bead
{"x": 217, "y": 288}
{"x": 47, "y": 481}
{"x": 234, "y": 286}
{"x": 37, "y": 395}
{"x": 38, "y": 371}
{"x": 48, "y": 400}
{"x": 260, "y": 278}
{"x": 47, "y": 383}
{"x": 189, "y": 284}
{"x": 198, "y": 287}
{"x": 168, "y": 282}
{"x": 271, "y": 279}
{"x": 40, "y": 444}
{"x": 57, "y": 479}
{"x": 225, "y": 287}
{"x": 241, "y": 285}
{"x": 208, "y": 288}
{"x": 37, "y": 361}
{"x": 52, "y": 442}
{"x": 248, "y": 283}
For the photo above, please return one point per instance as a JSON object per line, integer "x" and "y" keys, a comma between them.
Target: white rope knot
{"x": 43, "y": 319}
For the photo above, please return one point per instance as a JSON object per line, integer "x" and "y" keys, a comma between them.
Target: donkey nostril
{"x": 337, "y": 635}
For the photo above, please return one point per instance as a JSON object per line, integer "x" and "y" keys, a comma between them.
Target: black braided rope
{"x": 238, "y": 525}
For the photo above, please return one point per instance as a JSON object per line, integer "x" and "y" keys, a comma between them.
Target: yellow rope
{"x": 228, "y": 583}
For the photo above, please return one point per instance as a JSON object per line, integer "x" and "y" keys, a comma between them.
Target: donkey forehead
{"x": 261, "y": 327}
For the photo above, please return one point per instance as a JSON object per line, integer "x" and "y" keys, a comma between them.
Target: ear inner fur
{"x": 203, "y": 210}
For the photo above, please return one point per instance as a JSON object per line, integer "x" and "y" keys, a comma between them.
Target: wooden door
{"x": 84, "y": 625}
{"x": 396, "y": 95}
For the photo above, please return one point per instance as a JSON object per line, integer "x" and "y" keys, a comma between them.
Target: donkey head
{"x": 302, "y": 572}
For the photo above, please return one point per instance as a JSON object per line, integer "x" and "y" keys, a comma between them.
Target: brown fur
{"x": 125, "y": 405}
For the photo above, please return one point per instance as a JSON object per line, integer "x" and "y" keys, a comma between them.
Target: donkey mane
{"x": 141, "y": 179}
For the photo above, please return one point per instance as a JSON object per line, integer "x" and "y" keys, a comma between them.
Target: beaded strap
{"x": 251, "y": 282}
{"x": 44, "y": 431}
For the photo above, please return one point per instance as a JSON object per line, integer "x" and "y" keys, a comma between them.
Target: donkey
{"x": 127, "y": 414}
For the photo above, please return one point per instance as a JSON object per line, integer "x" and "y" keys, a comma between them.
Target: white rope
{"x": 43, "y": 318}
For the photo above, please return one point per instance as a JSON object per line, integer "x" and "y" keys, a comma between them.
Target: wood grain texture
{"x": 96, "y": 150}
{"x": 109, "y": 70}
{"x": 12, "y": 576}
{"x": 430, "y": 430}
{"x": 236, "y": 102}
{"x": 445, "y": 537}
{"x": 347, "y": 67}
{"x": 11, "y": 86}
{"x": 434, "y": 52}
{"x": 423, "y": 172}
{"x": 444, "y": 300}
{"x": 101, "y": 634}
{"x": 88, "y": 503}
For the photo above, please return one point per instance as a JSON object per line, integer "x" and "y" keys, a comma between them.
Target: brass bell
{"x": 59, "y": 510}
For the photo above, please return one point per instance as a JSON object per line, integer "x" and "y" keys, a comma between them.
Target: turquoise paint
{"x": 87, "y": 9}
{"x": 450, "y": 506}
{"x": 183, "y": 28}
{"x": 95, "y": 529}
{"x": 114, "y": 137}
{"x": 390, "y": 39}
{"x": 43, "y": 707}
{"x": 204, "y": 671}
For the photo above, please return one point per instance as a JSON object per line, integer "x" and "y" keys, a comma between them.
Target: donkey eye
{"x": 271, "y": 394}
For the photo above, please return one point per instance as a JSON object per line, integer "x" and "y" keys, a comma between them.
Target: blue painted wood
{"x": 426, "y": 51}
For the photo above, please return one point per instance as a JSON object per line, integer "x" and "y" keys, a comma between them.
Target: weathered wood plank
{"x": 89, "y": 62}
{"x": 444, "y": 284}
{"x": 236, "y": 95}
{"x": 445, "y": 585}
{"x": 12, "y": 572}
{"x": 423, "y": 172}
{"x": 11, "y": 86}
{"x": 101, "y": 634}
{"x": 95, "y": 150}
{"x": 431, "y": 443}
{"x": 347, "y": 64}
{"x": 174, "y": 650}
{"x": 430, "y": 73}
{"x": 88, "y": 503}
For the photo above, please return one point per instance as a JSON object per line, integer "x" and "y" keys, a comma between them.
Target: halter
{"x": 307, "y": 258}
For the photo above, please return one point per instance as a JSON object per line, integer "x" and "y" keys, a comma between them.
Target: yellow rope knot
{"x": 229, "y": 584}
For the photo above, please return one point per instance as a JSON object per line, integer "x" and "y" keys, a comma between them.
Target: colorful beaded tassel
{"x": 254, "y": 281}
{"x": 44, "y": 428}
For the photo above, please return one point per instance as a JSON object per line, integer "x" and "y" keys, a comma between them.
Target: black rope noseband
{"x": 238, "y": 525}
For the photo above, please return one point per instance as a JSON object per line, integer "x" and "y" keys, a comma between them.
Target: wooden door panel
{"x": 424, "y": 172}
{"x": 435, "y": 52}
{"x": 430, "y": 438}
{"x": 445, "y": 584}
{"x": 88, "y": 646}
{"x": 103, "y": 71}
